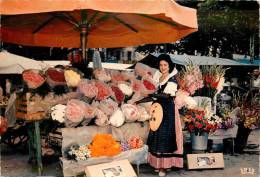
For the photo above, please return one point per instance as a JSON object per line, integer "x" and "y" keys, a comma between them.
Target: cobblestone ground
{"x": 14, "y": 164}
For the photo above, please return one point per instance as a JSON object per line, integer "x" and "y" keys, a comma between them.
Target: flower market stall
{"x": 97, "y": 25}
{"x": 97, "y": 117}
{"x": 104, "y": 107}
{"x": 104, "y": 102}
{"x": 225, "y": 105}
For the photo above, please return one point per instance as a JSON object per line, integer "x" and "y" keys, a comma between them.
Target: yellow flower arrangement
{"x": 104, "y": 145}
{"x": 72, "y": 78}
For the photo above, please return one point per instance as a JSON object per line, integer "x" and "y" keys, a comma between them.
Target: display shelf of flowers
{"x": 110, "y": 94}
{"x": 102, "y": 145}
{"x": 108, "y": 99}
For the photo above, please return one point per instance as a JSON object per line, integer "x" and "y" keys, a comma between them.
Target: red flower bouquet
{"x": 148, "y": 85}
{"x": 104, "y": 91}
{"x": 196, "y": 121}
{"x": 3, "y": 125}
{"x": 119, "y": 95}
{"x": 33, "y": 78}
{"x": 55, "y": 77}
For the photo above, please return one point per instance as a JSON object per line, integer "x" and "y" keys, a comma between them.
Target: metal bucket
{"x": 199, "y": 142}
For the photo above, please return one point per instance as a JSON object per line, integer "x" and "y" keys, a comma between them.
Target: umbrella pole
{"x": 83, "y": 37}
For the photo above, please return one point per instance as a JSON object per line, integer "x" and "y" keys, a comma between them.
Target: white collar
{"x": 158, "y": 74}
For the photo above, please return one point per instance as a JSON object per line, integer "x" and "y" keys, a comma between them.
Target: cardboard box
{"x": 205, "y": 161}
{"x": 120, "y": 168}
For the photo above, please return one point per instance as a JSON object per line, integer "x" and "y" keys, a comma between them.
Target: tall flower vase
{"x": 241, "y": 138}
{"x": 199, "y": 142}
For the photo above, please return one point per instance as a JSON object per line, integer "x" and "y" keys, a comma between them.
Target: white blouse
{"x": 171, "y": 87}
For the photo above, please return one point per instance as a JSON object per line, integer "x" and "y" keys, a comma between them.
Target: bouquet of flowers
{"x": 104, "y": 91}
{"x": 3, "y": 124}
{"x": 72, "y": 78}
{"x": 87, "y": 88}
{"x": 101, "y": 119}
{"x": 226, "y": 119}
{"x": 117, "y": 76}
{"x": 222, "y": 122}
{"x": 75, "y": 110}
{"x": 143, "y": 70}
{"x": 213, "y": 79}
{"x": 196, "y": 121}
{"x": 249, "y": 115}
{"x": 104, "y": 145}
{"x": 33, "y": 78}
{"x": 135, "y": 142}
{"x": 190, "y": 78}
{"x": 118, "y": 94}
{"x": 76, "y": 152}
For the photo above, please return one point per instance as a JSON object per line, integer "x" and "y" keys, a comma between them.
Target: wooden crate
{"x": 23, "y": 102}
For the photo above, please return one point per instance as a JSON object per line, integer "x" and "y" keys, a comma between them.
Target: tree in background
{"x": 225, "y": 27}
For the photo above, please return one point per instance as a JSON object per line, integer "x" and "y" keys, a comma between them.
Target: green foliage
{"x": 224, "y": 26}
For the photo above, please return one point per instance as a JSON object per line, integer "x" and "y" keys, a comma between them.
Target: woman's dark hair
{"x": 166, "y": 58}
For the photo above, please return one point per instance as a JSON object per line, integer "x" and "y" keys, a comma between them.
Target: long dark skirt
{"x": 166, "y": 156}
{"x": 163, "y": 140}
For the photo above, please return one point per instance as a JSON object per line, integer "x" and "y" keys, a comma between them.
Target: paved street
{"x": 14, "y": 164}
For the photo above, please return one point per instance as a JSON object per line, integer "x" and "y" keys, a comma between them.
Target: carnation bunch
{"x": 197, "y": 122}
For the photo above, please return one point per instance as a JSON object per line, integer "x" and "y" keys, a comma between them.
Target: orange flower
{"x": 104, "y": 145}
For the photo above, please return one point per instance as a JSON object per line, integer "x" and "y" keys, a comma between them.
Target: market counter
{"x": 84, "y": 135}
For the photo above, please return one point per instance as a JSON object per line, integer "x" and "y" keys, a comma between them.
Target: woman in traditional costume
{"x": 166, "y": 143}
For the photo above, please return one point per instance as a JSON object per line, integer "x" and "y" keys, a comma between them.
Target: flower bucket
{"x": 241, "y": 138}
{"x": 199, "y": 142}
